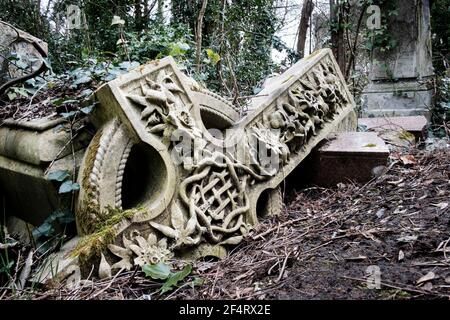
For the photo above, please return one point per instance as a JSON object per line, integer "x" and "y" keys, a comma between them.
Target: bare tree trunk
{"x": 337, "y": 34}
{"x": 137, "y": 15}
{"x": 353, "y": 51}
{"x": 307, "y": 9}
{"x": 198, "y": 34}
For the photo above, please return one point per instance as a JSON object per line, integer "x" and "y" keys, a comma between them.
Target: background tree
{"x": 307, "y": 9}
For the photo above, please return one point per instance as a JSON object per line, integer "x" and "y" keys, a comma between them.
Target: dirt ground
{"x": 345, "y": 242}
{"x": 388, "y": 239}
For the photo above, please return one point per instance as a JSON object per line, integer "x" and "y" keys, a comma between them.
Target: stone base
{"x": 26, "y": 191}
{"x": 416, "y": 125}
{"x": 405, "y": 98}
{"x": 350, "y": 157}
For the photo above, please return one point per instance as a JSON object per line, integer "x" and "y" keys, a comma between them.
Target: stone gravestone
{"x": 155, "y": 181}
{"x": 401, "y": 80}
{"x": 21, "y": 56}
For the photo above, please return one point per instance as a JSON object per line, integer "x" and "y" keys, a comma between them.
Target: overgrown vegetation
{"x": 226, "y": 45}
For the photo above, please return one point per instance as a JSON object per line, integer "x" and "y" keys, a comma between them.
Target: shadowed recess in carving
{"x": 269, "y": 203}
{"x": 144, "y": 177}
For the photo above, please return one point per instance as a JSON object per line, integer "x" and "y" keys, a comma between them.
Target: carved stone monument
{"x": 163, "y": 184}
{"x": 401, "y": 79}
{"x": 21, "y": 56}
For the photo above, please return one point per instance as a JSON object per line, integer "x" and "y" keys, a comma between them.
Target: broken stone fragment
{"x": 211, "y": 195}
{"x": 29, "y": 53}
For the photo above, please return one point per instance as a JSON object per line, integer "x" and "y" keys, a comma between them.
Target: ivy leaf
{"x": 68, "y": 114}
{"x": 85, "y": 79}
{"x": 12, "y": 95}
{"x": 69, "y": 101}
{"x": 160, "y": 271}
{"x": 85, "y": 93}
{"x": 6, "y": 267}
{"x": 175, "y": 278}
{"x": 64, "y": 216}
{"x": 88, "y": 109}
{"x": 214, "y": 57}
{"x": 68, "y": 186}
{"x": 126, "y": 65}
{"x": 57, "y": 102}
{"x": 120, "y": 42}
{"x": 178, "y": 49}
{"x": 23, "y": 92}
{"x": 46, "y": 229}
{"x": 117, "y": 21}
{"x": 197, "y": 282}
{"x": 59, "y": 175}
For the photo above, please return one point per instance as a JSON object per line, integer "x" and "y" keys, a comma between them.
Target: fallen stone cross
{"x": 155, "y": 181}
{"x": 21, "y": 56}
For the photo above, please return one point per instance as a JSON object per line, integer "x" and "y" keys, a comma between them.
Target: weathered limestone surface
{"x": 38, "y": 142}
{"x": 207, "y": 199}
{"x": 28, "y": 49}
{"x": 27, "y": 192}
{"x": 416, "y": 125}
{"x": 401, "y": 79}
{"x": 26, "y": 151}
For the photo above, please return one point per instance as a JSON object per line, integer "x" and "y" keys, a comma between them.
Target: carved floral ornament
{"x": 215, "y": 196}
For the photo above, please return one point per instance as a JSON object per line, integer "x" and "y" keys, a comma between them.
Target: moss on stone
{"x": 104, "y": 233}
{"x": 87, "y": 208}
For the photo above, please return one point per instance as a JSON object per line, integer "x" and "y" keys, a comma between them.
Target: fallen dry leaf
{"x": 396, "y": 182}
{"x": 408, "y": 159}
{"x": 442, "y": 205}
{"x": 428, "y": 286}
{"x": 398, "y": 138}
{"x": 358, "y": 258}
{"x": 428, "y": 277}
{"x": 401, "y": 256}
{"x": 407, "y": 239}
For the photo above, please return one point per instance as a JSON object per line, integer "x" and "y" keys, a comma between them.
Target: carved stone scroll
{"x": 191, "y": 191}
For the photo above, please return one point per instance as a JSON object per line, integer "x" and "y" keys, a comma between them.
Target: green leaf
{"x": 213, "y": 56}
{"x": 370, "y": 145}
{"x": 175, "y": 278}
{"x": 46, "y": 229}
{"x": 82, "y": 80}
{"x": 47, "y": 63}
{"x": 63, "y": 216}
{"x": 23, "y": 92}
{"x": 68, "y": 186}
{"x": 6, "y": 267}
{"x": 69, "y": 101}
{"x": 59, "y": 175}
{"x": 126, "y": 65}
{"x": 12, "y": 95}
{"x": 179, "y": 48}
{"x": 159, "y": 271}
{"x": 117, "y": 21}
{"x": 197, "y": 282}
{"x": 88, "y": 109}
{"x": 68, "y": 114}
